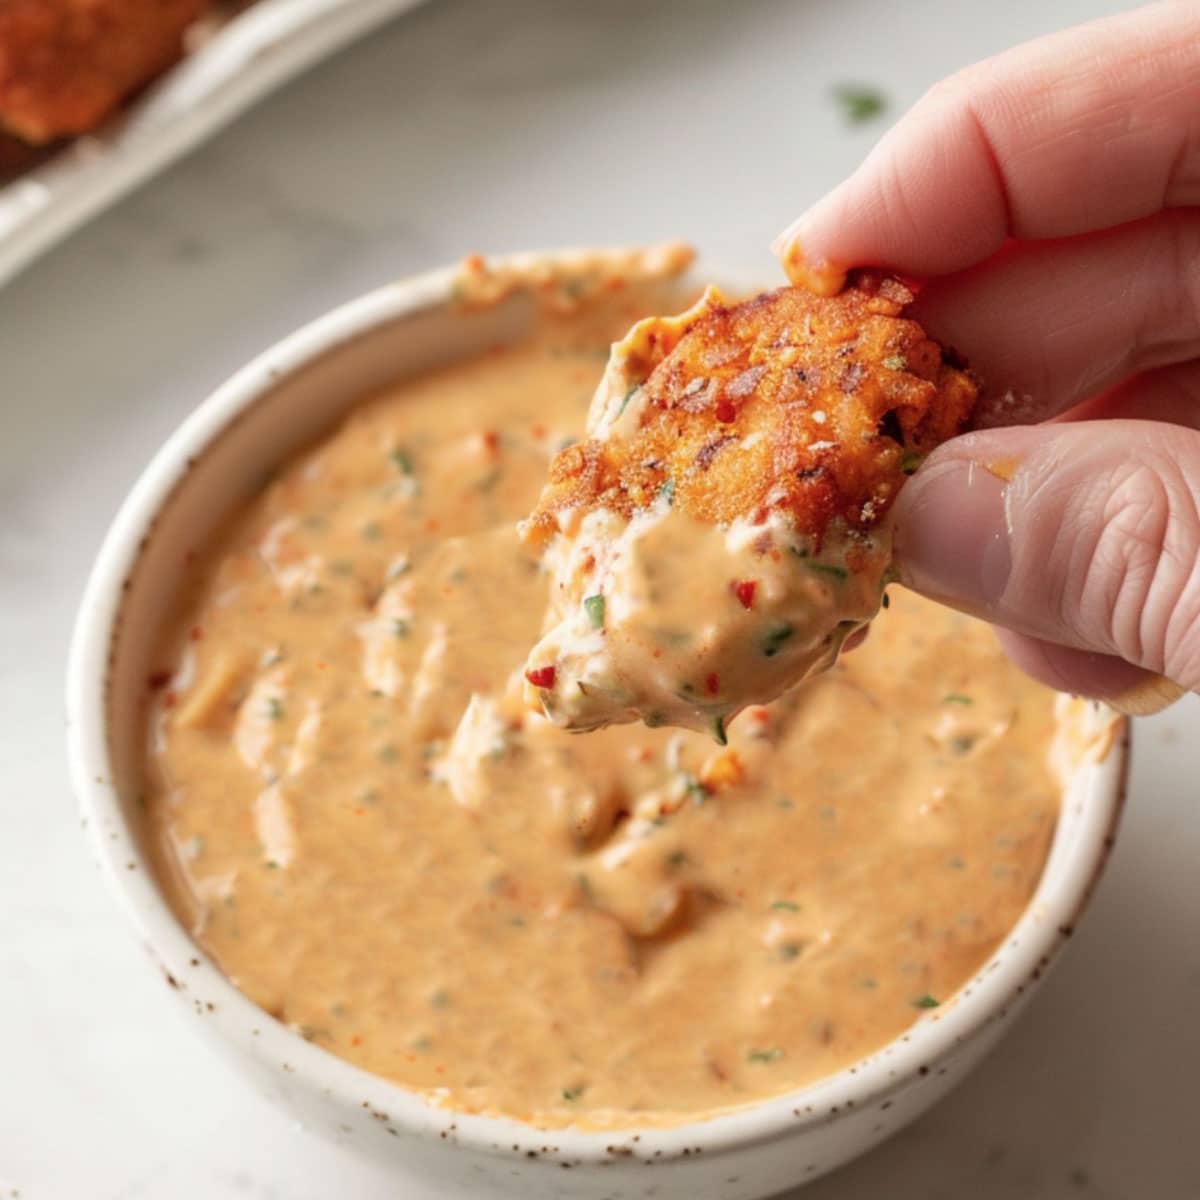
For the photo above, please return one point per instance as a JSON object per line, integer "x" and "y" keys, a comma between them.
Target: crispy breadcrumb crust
{"x": 66, "y": 64}
{"x": 818, "y": 407}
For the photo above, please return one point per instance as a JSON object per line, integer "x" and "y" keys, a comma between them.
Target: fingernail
{"x": 818, "y": 275}
{"x": 952, "y": 536}
{"x": 1151, "y": 696}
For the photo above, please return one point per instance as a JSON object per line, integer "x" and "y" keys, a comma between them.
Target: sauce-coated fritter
{"x": 816, "y": 407}
{"x": 722, "y": 530}
{"x": 66, "y": 64}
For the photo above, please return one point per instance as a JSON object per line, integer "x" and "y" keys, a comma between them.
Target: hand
{"x": 1050, "y": 198}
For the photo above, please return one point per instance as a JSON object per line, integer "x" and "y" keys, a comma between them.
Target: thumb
{"x": 1082, "y": 538}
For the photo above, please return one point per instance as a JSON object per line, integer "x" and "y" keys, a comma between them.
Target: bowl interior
{"x": 223, "y": 455}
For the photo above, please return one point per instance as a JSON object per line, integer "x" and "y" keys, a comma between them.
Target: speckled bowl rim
{"x": 1003, "y": 980}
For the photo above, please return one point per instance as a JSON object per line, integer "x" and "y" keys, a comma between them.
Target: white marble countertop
{"x": 473, "y": 125}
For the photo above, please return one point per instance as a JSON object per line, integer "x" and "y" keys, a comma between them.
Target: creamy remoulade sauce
{"x": 361, "y": 822}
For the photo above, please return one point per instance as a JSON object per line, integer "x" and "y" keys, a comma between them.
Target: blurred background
{"x": 460, "y": 126}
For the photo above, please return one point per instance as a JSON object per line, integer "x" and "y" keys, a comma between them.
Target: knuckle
{"x": 1140, "y": 580}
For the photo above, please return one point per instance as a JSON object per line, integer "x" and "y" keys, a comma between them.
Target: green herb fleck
{"x": 666, "y": 493}
{"x": 628, "y": 395}
{"x": 785, "y": 906}
{"x": 572, "y": 1094}
{"x": 585, "y": 886}
{"x": 765, "y": 1056}
{"x": 341, "y": 566}
{"x": 402, "y": 461}
{"x": 956, "y": 863}
{"x": 677, "y": 859}
{"x": 772, "y": 641}
{"x": 271, "y": 865}
{"x": 831, "y": 569}
{"x": 925, "y": 1001}
{"x": 910, "y": 462}
{"x": 400, "y": 628}
{"x": 440, "y": 999}
{"x": 956, "y": 698}
{"x": 694, "y": 789}
{"x": 388, "y": 753}
{"x": 594, "y": 607}
{"x": 718, "y": 729}
{"x": 654, "y": 720}
{"x": 859, "y": 102}
{"x": 789, "y": 951}
{"x": 372, "y": 531}
{"x": 784, "y": 802}
{"x": 963, "y": 743}
{"x": 274, "y": 709}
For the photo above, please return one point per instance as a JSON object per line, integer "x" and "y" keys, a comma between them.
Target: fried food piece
{"x": 66, "y": 64}
{"x": 722, "y": 530}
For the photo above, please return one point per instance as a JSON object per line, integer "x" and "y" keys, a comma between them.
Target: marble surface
{"x": 469, "y": 125}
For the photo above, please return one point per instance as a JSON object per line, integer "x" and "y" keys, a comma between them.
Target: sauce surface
{"x": 362, "y": 823}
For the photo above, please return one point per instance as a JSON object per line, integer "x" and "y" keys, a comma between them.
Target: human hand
{"x": 1050, "y": 197}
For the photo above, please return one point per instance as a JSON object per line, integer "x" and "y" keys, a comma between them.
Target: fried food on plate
{"x": 66, "y": 64}
{"x": 723, "y": 528}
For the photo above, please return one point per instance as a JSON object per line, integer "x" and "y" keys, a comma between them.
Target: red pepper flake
{"x": 538, "y": 430}
{"x": 726, "y": 412}
{"x": 158, "y": 680}
{"x": 743, "y": 589}
{"x": 712, "y": 685}
{"x": 356, "y": 1040}
{"x": 196, "y": 633}
{"x": 541, "y": 677}
{"x": 168, "y": 700}
{"x": 491, "y": 440}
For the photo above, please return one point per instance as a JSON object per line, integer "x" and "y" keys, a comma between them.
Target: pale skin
{"x": 1050, "y": 197}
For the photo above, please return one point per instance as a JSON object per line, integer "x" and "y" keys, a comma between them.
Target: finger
{"x": 1129, "y": 689}
{"x": 1170, "y": 395}
{"x": 1079, "y": 131}
{"x": 1081, "y": 534}
{"x": 1046, "y": 325}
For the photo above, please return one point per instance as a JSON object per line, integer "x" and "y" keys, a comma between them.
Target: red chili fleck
{"x": 541, "y": 677}
{"x": 712, "y": 685}
{"x": 158, "y": 680}
{"x": 725, "y": 410}
{"x": 196, "y": 633}
{"x": 168, "y": 700}
{"x": 491, "y": 440}
{"x": 743, "y": 589}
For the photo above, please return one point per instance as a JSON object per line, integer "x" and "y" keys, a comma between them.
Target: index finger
{"x": 1079, "y": 131}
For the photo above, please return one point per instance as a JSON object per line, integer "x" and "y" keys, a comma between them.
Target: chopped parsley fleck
{"x": 585, "y": 886}
{"x": 572, "y": 1094}
{"x": 785, "y": 906}
{"x": 859, "y": 102}
{"x": 654, "y": 720}
{"x": 765, "y": 1056}
{"x": 594, "y": 607}
{"x": 789, "y": 951}
{"x": 910, "y": 462}
{"x": 772, "y": 641}
{"x": 925, "y": 1001}
{"x": 956, "y": 698}
{"x": 962, "y": 744}
{"x": 372, "y": 531}
{"x": 402, "y": 461}
{"x": 666, "y": 493}
{"x": 694, "y": 789}
{"x": 388, "y": 753}
{"x": 274, "y": 709}
{"x": 400, "y": 628}
{"x": 831, "y": 569}
{"x": 440, "y": 999}
{"x": 677, "y": 858}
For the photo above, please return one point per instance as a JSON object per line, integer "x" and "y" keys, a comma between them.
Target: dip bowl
{"x": 272, "y": 408}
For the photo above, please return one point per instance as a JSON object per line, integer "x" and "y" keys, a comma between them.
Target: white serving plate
{"x": 256, "y": 52}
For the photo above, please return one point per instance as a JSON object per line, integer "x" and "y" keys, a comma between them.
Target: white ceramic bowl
{"x": 217, "y": 459}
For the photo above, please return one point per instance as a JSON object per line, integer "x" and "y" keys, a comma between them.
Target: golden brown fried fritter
{"x": 815, "y": 407}
{"x": 66, "y": 64}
